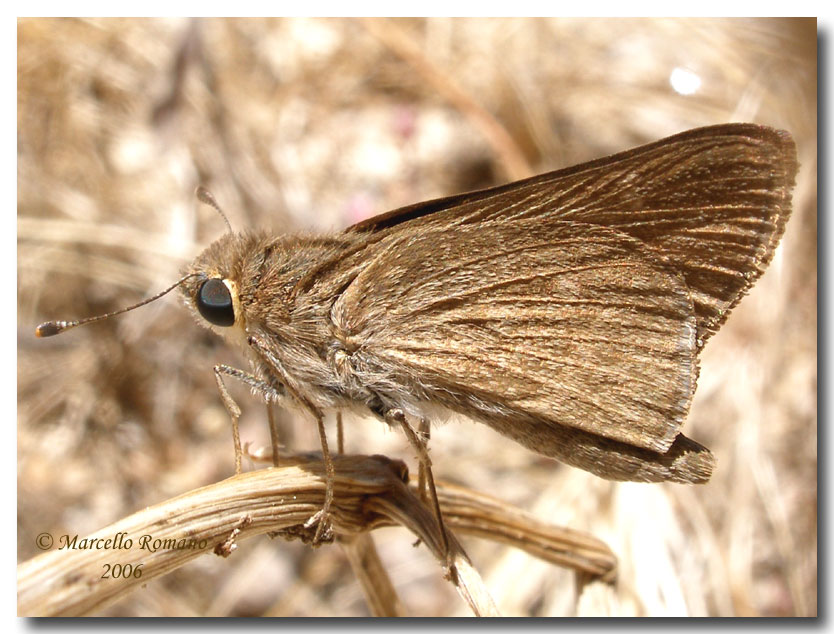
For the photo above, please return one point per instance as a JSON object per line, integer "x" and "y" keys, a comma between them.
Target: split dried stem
{"x": 370, "y": 492}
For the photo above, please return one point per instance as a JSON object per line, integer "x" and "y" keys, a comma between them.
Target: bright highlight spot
{"x": 684, "y": 81}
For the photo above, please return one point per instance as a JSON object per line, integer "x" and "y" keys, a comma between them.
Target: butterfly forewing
{"x": 713, "y": 202}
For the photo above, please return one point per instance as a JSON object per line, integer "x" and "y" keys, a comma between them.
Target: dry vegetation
{"x": 314, "y": 124}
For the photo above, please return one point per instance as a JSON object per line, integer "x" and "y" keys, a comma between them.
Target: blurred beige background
{"x": 315, "y": 124}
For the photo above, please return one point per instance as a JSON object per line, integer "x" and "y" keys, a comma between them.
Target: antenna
{"x": 205, "y": 196}
{"x": 51, "y": 328}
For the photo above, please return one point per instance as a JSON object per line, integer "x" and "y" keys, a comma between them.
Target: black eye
{"x": 215, "y": 303}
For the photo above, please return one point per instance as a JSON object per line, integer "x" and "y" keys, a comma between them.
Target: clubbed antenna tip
{"x": 205, "y": 196}
{"x": 50, "y": 328}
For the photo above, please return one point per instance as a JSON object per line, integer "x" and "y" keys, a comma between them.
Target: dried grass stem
{"x": 370, "y": 491}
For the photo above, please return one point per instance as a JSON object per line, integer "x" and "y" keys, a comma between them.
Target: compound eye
{"x": 214, "y": 301}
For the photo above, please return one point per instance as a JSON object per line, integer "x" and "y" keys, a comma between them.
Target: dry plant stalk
{"x": 371, "y": 492}
{"x": 479, "y": 515}
{"x": 364, "y": 559}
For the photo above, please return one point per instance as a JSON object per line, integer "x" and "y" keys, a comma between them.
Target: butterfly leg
{"x": 273, "y": 432}
{"x": 322, "y": 517}
{"x": 397, "y": 417}
{"x": 267, "y": 392}
{"x": 340, "y": 434}
{"x": 424, "y": 431}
